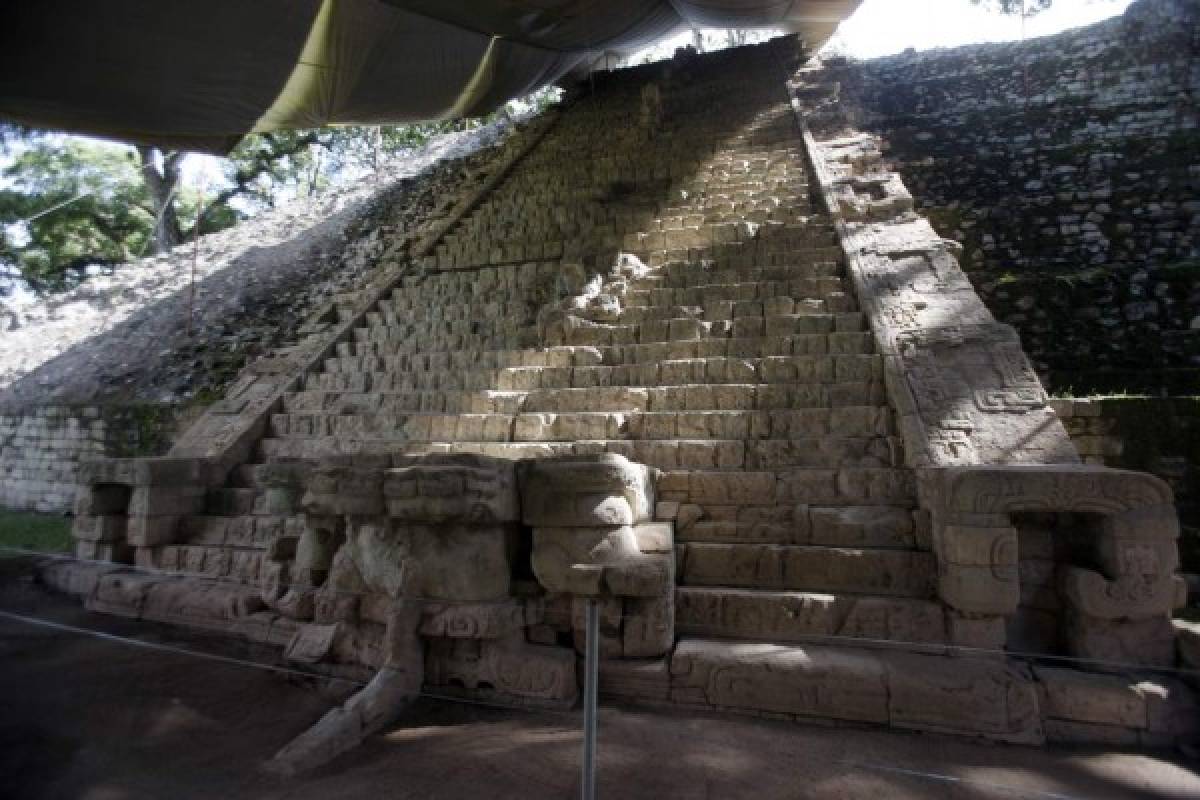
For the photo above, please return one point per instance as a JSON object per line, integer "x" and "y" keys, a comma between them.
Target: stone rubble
{"x": 123, "y": 336}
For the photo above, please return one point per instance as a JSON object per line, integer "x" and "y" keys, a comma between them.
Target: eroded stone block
{"x": 604, "y": 490}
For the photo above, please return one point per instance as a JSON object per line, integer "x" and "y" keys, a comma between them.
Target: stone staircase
{"x": 737, "y": 362}
{"x": 659, "y": 279}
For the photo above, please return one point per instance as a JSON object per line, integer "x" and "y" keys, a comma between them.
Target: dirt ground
{"x": 94, "y": 719}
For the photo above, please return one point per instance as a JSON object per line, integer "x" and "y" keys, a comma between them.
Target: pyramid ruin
{"x": 689, "y": 351}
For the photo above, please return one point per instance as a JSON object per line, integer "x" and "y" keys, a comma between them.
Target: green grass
{"x": 46, "y": 533}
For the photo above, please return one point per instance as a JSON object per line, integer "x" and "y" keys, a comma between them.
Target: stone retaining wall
{"x": 1068, "y": 167}
{"x": 41, "y": 450}
{"x": 1159, "y": 435}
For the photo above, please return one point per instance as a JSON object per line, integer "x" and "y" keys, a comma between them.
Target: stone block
{"x": 604, "y": 490}
{"x": 636, "y": 680}
{"x": 1090, "y": 697}
{"x": 594, "y": 561}
{"x": 343, "y": 490}
{"x": 1136, "y": 596}
{"x": 509, "y": 669}
{"x": 976, "y": 546}
{"x": 1145, "y": 642}
{"x": 861, "y": 526}
{"x": 75, "y": 578}
{"x": 1172, "y": 711}
{"x": 122, "y": 593}
{"x": 452, "y": 488}
{"x": 648, "y": 630}
{"x": 818, "y": 682}
{"x": 985, "y": 697}
{"x": 732, "y": 488}
{"x": 980, "y": 590}
{"x": 984, "y": 632}
{"x": 475, "y": 621}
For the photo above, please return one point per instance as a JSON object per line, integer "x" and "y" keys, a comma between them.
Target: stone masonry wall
{"x": 1069, "y": 168}
{"x": 41, "y": 450}
{"x": 1151, "y": 434}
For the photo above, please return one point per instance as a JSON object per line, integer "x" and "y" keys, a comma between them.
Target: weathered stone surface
{"x": 440, "y": 562}
{"x": 606, "y": 490}
{"x": 507, "y": 670}
{"x": 821, "y": 682}
{"x": 1059, "y": 488}
{"x": 453, "y": 488}
{"x": 785, "y": 370}
{"x": 592, "y": 561}
{"x": 1087, "y": 697}
{"x": 796, "y": 616}
{"x": 1150, "y": 642}
{"x": 963, "y": 695}
{"x": 1152, "y": 594}
{"x": 636, "y": 680}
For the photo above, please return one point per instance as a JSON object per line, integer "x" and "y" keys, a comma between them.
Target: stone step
{"x": 745, "y": 295}
{"x": 799, "y": 616}
{"x": 450, "y": 341}
{"x": 653, "y": 248}
{"x": 472, "y": 315}
{"x": 224, "y": 562}
{"x": 893, "y": 573}
{"x": 846, "y": 422}
{"x": 256, "y": 532}
{"x": 681, "y": 372}
{"x": 815, "y": 276}
{"x": 711, "y": 489}
{"x": 803, "y": 344}
{"x": 820, "y": 453}
{"x": 361, "y": 399}
{"x": 690, "y": 328}
{"x": 973, "y": 696}
{"x": 728, "y": 311}
{"x": 831, "y": 526}
{"x": 730, "y": 204}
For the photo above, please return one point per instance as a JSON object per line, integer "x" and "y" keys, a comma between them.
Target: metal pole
{"x": 591, "y": 661}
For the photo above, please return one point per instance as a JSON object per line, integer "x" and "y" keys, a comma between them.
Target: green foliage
{"x": 69, "y": 203}
{"x": 266, "y": 167}
{"x": 46, "y": 533}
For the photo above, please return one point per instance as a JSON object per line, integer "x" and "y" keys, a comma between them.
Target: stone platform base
{"x": 488, "y": 672}
{"x": 996, "y": 699}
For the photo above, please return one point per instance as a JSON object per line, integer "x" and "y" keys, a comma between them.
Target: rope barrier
{"x": 563, "y": 616}
{"x": 242, "y": 662}
{"x": 171, "y": 649}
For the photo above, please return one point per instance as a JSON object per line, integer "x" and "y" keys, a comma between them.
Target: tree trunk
{"x": 160, "y": 174}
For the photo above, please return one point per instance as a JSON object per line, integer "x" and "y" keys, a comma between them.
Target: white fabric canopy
{"x": 200, "y": 74}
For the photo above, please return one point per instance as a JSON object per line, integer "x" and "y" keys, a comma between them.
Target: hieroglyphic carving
{"x": 1119, "y": 597}
{"x": 977, "y": 397}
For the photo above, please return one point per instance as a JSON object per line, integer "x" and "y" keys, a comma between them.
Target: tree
{"x": 70, "y": 204}
{"x": 67, "y": 203}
